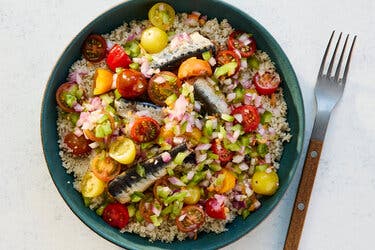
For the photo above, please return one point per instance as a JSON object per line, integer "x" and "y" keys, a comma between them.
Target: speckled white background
{"x": 342, "y": 208}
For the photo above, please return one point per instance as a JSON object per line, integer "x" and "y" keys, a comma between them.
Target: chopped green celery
{"x": 171, "y": 33}
{"x": 214, "y": 167}
{"x": 164, "y": 16}
{"x": 163, "y": 192}
{"x": 131, "y": 210}
{"x": 134, "y": 66}
{"x": 148, "y": 57}
{"x": 240, "y": 93}
{"x": 253, "y": 154}
{"x": 171, "y": 99}
{"x": 166, "y": 210}
{"x": 208, "y": 128}
{"x": 103, "y": 130}
{"x": 232, "y": 146}
{"x": 220, "y": 179}
{"x": 204, "y": 139}
{"x": 180, "y": 157}
{"x": 170, "y": 171}
{"x": 238, "y": 127}
{"x": 103, "y": 118}
{"x": 132, "y": 48}
{"x": 222, "y": 133}
{"x": 227, "y": 118}
{"x": 169, "y": 78}
{"x": 138, "y": 216}
{"x": 198, "y": 177}
{"x": 184, "y": 179}
{"x": 100, "y": 209}
{"x": 253, "y": 62}
{"x": 266, "y": 117}
{"x": 241, "y": 177}
{"x": 106, "y": 98}
{"x": 187, "y": 89}
{"x": 262, "y": 149}
{"x": 237, "y": 170}
{"x": 166, "y": 147}
{"x": 146, "y": 145}
{"x": 86, "y": 201}
{"x": 226, "y": 69}
{"x": 245, "y": 213}
{"x": 140, "y": 170}
{"x": 183, "y": 127}
{"x": 110, "y": 109}
{"x": 176, "y": 197}
{"x": 261, "y": 168}
{"x": 70, "y": 100}
{"x": 118, "y": 70}
{"x": 200, "y": 166}
{"x": 136, "y": 196}
{"x": 206, "y": 55}
{"x": 176, "y": 209}
{"x": 156, "y": 221}
{"x": 213, "y": 156}
{"x": 117, "y": 94}
{"x": 245, "y": 140}
{"x": 73, "y": 118}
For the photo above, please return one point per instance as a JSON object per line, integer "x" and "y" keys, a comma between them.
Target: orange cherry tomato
{"x": 163, "y": 85}
{"x": 104, "y": 167}
{"x": 144, "y": 129}
{"x": 194, "y": 67}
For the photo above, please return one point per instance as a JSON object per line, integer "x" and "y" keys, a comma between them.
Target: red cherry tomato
{"x": 226, "y": 56}
{"x": 242, "y": 42}
{"x": 267, "y": 83}
{"x": 94, "y": 48}
{"x": 224, "y": 154}
{"x": 117, "y": 57}
{"x": 215, "y": 209}
{"x": 131, "y": 83}
{"x": 78, "y": 144}
{"x": 191, "y": 219}
{"x": 163, "y": 85}
{"x": 61, "y": 95}
{"x": 144, "y": 129}
{"x": 116, "y": 215}
{"x": 250, "y": 117}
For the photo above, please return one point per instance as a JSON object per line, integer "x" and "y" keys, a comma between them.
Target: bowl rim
{"x": 213, "y": 245}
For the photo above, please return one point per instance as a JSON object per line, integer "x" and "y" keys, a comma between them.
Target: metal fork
{"x": 328, "y": 91}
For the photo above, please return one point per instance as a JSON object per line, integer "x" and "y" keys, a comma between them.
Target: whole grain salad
{"x": 172, "y": 125}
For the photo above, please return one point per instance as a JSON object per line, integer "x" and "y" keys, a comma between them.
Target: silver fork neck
{"x": 320, "y": 125}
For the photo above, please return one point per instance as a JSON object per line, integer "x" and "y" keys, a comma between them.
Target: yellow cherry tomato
{"x": 193, "y": 195}
{"x": 194, "y": 136}
{"x": 123, "y": 150}
{"x": 161, "y": 15}
{"x": 102, "y": 81}
{"x": 265, "y": 183}
{"x": 91, "y": 185}
{"x": 154, "y": 40}
{"x": 228, "y": 183}
{"x": 104, "y": 167}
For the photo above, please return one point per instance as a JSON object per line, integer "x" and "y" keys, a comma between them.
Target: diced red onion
{"x": 190, "y": 175}
{"x": 78, "y": 132}
{"x": 208, "y": 174}
{"x": 203, "y": 146}
{"x": 243, "y": 166}
{"x": 238, "y": 158}
{"x": 271, "y": 131}
{"x": 94, "y": 145}
{"x": 159, "y": 79}
{"x": 182, "y": 217}
{"x": 166, "y": 157}
{"x": 178, "y": 140}
{"x": 204, "y": 183}
{"x": 198, "y": 123}
{"x": 200, "y": 157}
{"x": 220, "y": 199}
{"x": 238, "y": 53}
{"x": 197, "y": 106}
{"x": 261, "y": 110}
{"x": 78, "y": 107}
{"x": 231, "y": 97}
{"x": 175, "y": 181}
{"x": 258, "y": 101}
{"x": 96, "y": 102}
{"x": 131, "y": 37}
{"x": 248, "y": 98}
{"x": 155, "y": 210}
{"x": 110, "y": 44}
{"x": 243, "y": 63}
{"x": 267, "y": 158}
{"x": 238, "y": 117}
{"x": 179, "y": 108}
{"x": 246, "y": 84}
{"x": 212, "y": 61}
{"x": 150, "y": 227}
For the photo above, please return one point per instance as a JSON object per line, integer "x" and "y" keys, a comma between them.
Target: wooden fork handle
{"x": 301, "y": 202}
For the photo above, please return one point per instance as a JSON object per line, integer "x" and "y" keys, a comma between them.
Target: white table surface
{"x": 341, "y": 213}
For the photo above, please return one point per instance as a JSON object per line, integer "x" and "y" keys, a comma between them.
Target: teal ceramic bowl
{"x": 137, "y": 9}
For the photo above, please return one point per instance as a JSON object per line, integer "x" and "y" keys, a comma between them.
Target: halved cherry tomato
{"x": 67, "y": 95}
{"x": 144, "y": 129}
{"x": 191, "y": 219}
{"x": 242, "y": 42}
{"x": 215, "y": 209}
{"x": 267, "y": 83}
{"x": 161, "y": 15}
{"x": 131, "y": 83}
{"x": 123, "y": 150}
{"x": 162, "y": 182}
{"x": 116, "y": 215}
{"x": 224, "y": 154}
{"x": 193, "y": 195}
{"x": 250, "y": 117}
{"x": 226, "y": 56}
{"x": 78, "y": 144}
{"x": 117, "y": 57}
{"x": 145, "y": 208}
{"x": 229, "y": 182}
{"x": 91, "y": 186}
{"x": 91, "y": 134}
{"x": 94, "y": 48}
{"x": 163, "y": 85}
{"x": 194, "y": 67}
{"x": 104, "y": 167}
{"x": 103, "y": 79}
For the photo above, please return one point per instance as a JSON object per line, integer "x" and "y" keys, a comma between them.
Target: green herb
{"x": 206, "y": 55}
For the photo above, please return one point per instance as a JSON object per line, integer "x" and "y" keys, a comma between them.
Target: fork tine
{"x": 348, "y": 62}
{"x": 333, "y": 57}
{"x": 340, "y": 60}
{"x": 325, "y": 56}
